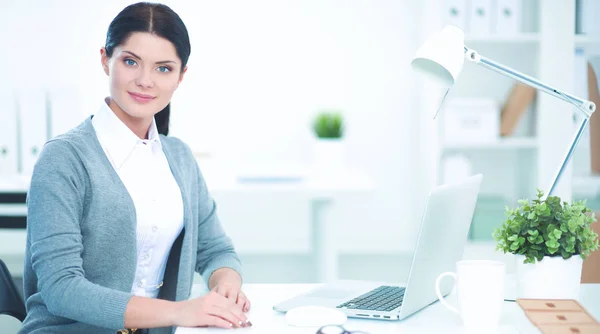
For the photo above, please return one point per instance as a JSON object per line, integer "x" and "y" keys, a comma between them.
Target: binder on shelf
{"x": 455, "y": 13}
{"x": 593, "y": 68}
{"x": 480, "y": 18}
{"x": 8, "y": 134}
{"x": 581, "y": 156}
{"x": 507, "y": 17}
{"x": 32, "y": 106}
{"x": 519, "y": 99}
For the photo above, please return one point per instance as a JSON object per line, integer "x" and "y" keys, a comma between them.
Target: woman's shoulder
{"x": 69, "y": 144}
{"x": 78, "y": 134}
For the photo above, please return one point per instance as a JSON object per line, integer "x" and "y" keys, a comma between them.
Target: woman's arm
{"x": 144, "y": 312}
{"x": 54, "y": 211}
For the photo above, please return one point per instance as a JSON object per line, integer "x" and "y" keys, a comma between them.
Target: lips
{"x": 141, "y": 98}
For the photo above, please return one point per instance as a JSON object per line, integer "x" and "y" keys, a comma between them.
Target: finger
{"x": 217, "y": 321}
{"x": 222, "y": 301}
{"x": 238, "y": 319}
{"x": 232, "y": 293}
{"x": 239, "y": 314}
{"x": 241, "y": 300}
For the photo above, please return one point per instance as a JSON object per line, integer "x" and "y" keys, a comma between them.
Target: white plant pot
{"x": 329, "y": 154}
{"x": 551, "y": 278}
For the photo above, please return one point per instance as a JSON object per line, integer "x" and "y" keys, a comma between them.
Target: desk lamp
{"x": 442, "y": 57}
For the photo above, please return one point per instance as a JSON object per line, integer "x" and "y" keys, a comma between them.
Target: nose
{"x": 144, "y": 79}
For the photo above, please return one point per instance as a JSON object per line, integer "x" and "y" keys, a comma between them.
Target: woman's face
{"x": 144, "y": 72}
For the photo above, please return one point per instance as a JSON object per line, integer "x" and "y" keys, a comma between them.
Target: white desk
{"x": 322, "y": 189}
{"x": 433, "y": 319}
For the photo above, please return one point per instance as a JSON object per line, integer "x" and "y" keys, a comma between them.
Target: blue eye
{"x": 130, "y": 62}
{"x": 164, "y": 69}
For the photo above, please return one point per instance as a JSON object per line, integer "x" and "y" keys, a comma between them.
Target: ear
{"x": 104, "y": 60}
{"x": 181, "y": 75}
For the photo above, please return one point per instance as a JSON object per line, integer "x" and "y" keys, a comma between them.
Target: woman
{"x": 119, "y": 216}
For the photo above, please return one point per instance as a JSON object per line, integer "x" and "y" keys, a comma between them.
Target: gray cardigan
{"x": 80, "y": 258}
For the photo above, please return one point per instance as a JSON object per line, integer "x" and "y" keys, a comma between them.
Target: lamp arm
{"x": 583, "y": 106}
{"x": 567, "y": 158}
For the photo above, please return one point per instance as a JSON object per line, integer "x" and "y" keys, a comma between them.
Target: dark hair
{"x": 156, "y": 19}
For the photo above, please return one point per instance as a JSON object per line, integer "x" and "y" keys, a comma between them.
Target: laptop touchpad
{"x": 332, "y": 293}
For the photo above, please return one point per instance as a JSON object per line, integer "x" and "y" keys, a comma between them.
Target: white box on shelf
{"x": 507, "y": 17}
{"x": 471, "y": 120}
{"x": 586, "y": 17}
{"x": 480, "y": 18}
{"x": 455, "y": 13}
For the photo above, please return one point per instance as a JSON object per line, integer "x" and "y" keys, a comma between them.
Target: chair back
{"x": 11, "y": 302}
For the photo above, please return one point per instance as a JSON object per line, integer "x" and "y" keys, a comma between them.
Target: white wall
{"x": 258, "y": 72}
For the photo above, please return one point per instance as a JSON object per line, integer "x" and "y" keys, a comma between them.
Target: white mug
{"x": 480, "y": 291}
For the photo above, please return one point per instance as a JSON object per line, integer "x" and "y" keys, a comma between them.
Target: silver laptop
{"x": 440, "y": 244}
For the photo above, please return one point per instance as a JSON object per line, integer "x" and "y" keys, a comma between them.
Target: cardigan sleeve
{"x": 215, "y": 248}
{"x": 55, "y": 207}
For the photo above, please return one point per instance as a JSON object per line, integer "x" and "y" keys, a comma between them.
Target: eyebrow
{"x": 158, "y": 62}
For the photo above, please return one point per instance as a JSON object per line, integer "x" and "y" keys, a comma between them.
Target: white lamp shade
{"x": 442, "y": 56}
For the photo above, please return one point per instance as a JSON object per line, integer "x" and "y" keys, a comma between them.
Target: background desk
{"x": 433, "y": 319}
{"x": 320, "y": 189}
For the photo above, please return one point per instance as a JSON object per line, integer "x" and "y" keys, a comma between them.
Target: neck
{"x": 139, "y": 126}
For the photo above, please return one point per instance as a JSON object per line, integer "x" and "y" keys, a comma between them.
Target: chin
{"x": 137, "y": 110}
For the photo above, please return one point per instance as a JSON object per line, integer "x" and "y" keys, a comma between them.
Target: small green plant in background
{"x": 547, "y": 228}
{"x": 329, "y": 124}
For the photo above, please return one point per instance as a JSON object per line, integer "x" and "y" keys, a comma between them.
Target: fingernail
{"x": 241, "y": 322}
{"x": 249, "y": 323}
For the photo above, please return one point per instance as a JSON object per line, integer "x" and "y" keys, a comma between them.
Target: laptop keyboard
{"x": 383, "y": 298}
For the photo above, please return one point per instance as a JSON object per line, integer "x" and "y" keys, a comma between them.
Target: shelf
{"x": 13, "y": 210}
{"x": 585, "y": 40}
{"x": 517, "y": 38}
{"x": 580, "y": 40}
{"x": 502, "y": 143}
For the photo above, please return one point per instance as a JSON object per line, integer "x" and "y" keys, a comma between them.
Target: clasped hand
{"x": 224, "y": 306}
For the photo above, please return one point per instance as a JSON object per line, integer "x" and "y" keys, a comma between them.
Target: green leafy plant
{"x": 329, "y": 124}
{"x": 547, "y": 228}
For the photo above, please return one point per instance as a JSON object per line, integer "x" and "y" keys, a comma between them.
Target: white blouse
{"x": 144, "y": 170}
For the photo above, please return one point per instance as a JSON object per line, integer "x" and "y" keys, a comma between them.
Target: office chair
{"x": 11, "y": 302}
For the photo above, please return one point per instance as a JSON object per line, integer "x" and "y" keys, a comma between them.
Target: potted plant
{"x": 550, "y": 240}
{"x": 328, "y": 127}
